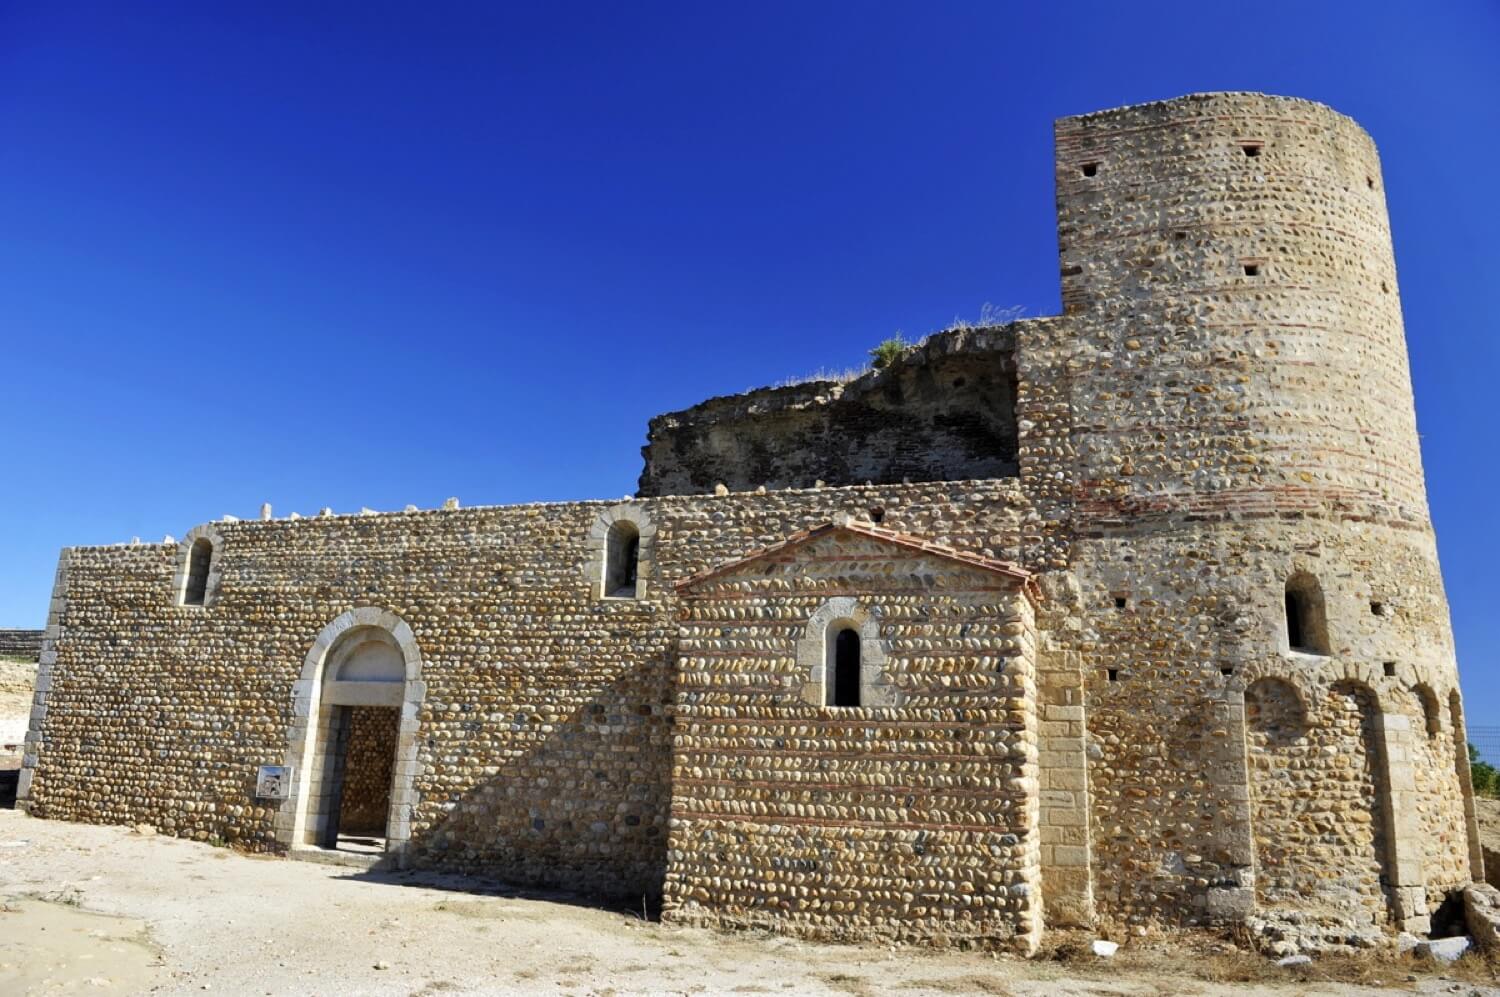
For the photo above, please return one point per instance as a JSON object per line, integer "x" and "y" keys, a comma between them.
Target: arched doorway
{"x": 354, "y": 750}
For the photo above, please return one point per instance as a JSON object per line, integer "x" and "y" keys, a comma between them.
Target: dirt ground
{"x": 107, "y": 910}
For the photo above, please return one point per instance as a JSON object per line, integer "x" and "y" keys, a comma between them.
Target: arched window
{"x": 1306, "y": 622}
{"x": 622, "y": 555}
{"x": 844, "y": 689}
{"x": 200, "y": 560}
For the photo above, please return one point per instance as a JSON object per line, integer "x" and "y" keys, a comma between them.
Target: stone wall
{"x": 21, "y": 643}
{"x": 544, "y": 735}
{"x": 912, "y": 819}
{"x": 945, "y": 411}
{"x": 369, "y": 755}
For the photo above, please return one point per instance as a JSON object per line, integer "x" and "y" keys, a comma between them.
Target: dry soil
{"x": 91, "y": 909}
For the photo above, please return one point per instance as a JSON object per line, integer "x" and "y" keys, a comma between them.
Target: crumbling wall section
{"x": 945, "y": 411}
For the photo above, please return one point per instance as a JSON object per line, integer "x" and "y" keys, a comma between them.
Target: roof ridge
{"x": 852, "y": 525}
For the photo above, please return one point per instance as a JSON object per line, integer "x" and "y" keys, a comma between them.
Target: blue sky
{"x": 364, "y": 255}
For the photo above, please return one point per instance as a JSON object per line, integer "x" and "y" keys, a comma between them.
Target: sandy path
{"x": 208, "y": 918}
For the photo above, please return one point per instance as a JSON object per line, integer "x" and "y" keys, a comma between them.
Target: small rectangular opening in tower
{"x": 1377, "y": 608}
{"x": 1390, "y": 669}
{"x": 1121, "y": 601}
{"x": 1252, "y": 149}
{"x": 1252, "y": 269}
{"x": 1090, "y": 169}
{"x": 1113, "y": 673}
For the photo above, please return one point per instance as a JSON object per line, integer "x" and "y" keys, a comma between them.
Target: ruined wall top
{"x": 1231, "y": 340}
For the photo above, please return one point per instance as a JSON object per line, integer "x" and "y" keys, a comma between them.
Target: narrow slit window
{"x": 200, "y": 562}
{"x": 845, "y": 687}
{"x": 622, "y": 555}
{"x": 1113, "y": 673}
{"x": 1306, "y": 621}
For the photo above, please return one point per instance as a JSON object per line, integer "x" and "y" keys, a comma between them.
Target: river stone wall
{"x": 545, "y": 732}
{"x": 914, "y": 818}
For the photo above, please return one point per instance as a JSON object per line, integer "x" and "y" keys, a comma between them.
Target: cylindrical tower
{"x": 1256, "y": 359}
{"x": 1262, "y": 605}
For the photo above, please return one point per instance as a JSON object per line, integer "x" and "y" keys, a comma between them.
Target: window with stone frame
{"x": 200, "y": 563}
{"x": 1306, "y": 618}
{"x": 622, "y": 556}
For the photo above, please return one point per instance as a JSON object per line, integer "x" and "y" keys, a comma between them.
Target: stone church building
{"x": 1129, "y": 616}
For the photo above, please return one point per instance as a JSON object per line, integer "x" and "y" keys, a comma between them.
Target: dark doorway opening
{"x": 364, "y": 760}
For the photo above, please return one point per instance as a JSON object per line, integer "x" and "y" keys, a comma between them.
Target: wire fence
{"x": 1487, "y": 740}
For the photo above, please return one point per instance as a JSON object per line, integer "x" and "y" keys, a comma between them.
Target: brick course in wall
{"x": 1223, "y": 406}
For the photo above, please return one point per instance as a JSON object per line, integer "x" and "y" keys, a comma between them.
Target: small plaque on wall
{"x": 273, "y": 782}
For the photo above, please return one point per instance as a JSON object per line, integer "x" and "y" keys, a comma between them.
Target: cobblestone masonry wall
{"x": 1224, "y": 403}
{"x": 910, "y": 820}
{"x": 1315, "y": 786}
{"x": 1238, "y": 408}
{"x": 544, "y": 735}
{"x": 369, "y": 756}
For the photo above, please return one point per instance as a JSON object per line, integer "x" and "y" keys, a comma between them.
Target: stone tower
{"x": 1247, "y": 515}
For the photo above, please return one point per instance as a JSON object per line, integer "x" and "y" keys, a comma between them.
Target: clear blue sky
{"x": 365, "y": 254}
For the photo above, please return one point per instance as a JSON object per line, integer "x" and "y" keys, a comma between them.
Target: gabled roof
{"x": 905, "y": 540}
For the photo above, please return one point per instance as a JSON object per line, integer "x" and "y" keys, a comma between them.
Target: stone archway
{"x": 361, "y": 676}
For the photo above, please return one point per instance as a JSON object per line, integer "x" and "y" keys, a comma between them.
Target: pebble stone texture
{"x": 1123, "y": 739}
{"x": 911, "y": 820}
{"x": 369, "y": 755}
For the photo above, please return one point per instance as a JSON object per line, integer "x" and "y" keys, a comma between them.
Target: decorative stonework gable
{"x": 917, "y": 788}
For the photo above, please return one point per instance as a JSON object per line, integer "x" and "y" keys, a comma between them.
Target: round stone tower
{"x": 1242, "y": 244}
{"x": 1250, "y": 534}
